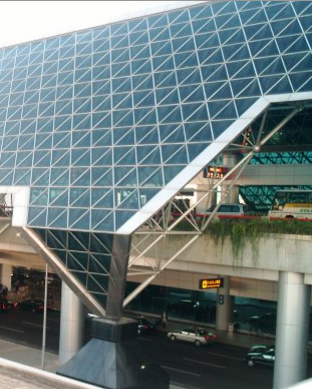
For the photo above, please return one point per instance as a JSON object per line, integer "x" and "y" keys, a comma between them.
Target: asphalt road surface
{"x": 214, "y": 366}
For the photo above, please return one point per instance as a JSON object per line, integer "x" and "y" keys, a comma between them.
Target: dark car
{"x": 262, "y": 358}
{"x": 6, "y": 305}
{"x": 145, "y": 326}
{"x": 33, "y": 305}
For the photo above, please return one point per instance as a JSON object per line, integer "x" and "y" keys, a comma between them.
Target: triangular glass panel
{"x": 268, "y": 82}
{"x": 58, "y": 197}
{"x": 124, "y": 156}
{"x": 145, "y": 116}
{"x": 224, "y": 92}
{"x": 148, "y": 155}
{"x": 307, "y": 86}
{"x": 102, "y": 220}
{"x": 59, "y": 176}
{"x": 61, "y": 140}
{"x": 127, "y": 199}
{"x": 170, "y": 172}
{"x": 42, "y": 158}
{"x": 80, "y": 157}
{"x": 123, "y": 216}
{"x": 158, "y": 20}
{"x": 171, "y": 133}
{"x": 194, "y": 149}
{"x": 99, "y": 263}
{"x": 40, "y": 176}
{"x": 75, "y": 264}
{"x": 283, "y": 86}
{"x": 146, "y": 135}
{"x": 101, "y": 138}
{"x": 79, "y": 219}
{"x": 125, "y": 176}
{"x": 80, "y": 176}
{"x": 227, "y": 22}
{"x": 185, "y": 60}
{"x": 62, "y": 123}
{"x": 101, "y": 120}
{"x": 103, "y": 198}
{"x": 191, "y": 94}
{"x": 276, "y": 12}
{"x": 57, "y": 218}
{"x": 201, "y": 11}
{"x": 150, "y": 176}
{"x": 204, "y": 26}
{"x": 101, "y": 156}
{"x": 124, "y": 136}
{"x": 101, "y": 243}
{"x": 24, "y": 159}
{"x": 178, "y": 155}
{"x": 178, "y": 16}
{"x": 299, "y": 81}
{"x": 144, "y": 99}
{"x": 243, "y": 104}
{"x": 146, "y": 195}
{"x": 222, "y": 109}
{"x": 223, "y": 8}
{"x": 194, "y": 112}
{"x": 56, "y": 240}
{"x": 167, "y": 79}
{"x": 303, "y": 65}
{"x": 219, "y": 126}
{"x": 97, "y": 283}
{"x": 79, "y": 197}
{"x": 169, "y": 114}
{"x": 81, "y": 139}
{"x": 82, "y": 122}
{"x": 22, "y": 177}
{"x": 37, "y": 216}
{"x": 199, "y": 131}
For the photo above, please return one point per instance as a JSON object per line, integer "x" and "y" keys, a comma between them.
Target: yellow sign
{"x": 210, "y": 283}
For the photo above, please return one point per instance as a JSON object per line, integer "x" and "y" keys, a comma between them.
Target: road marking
{"x": 145, "y": 339}
{"x": 225, "y": 356}
{"x": 180, "y": 371}
{"x": 12, "y": 329}
{"x": 34, "y": 325}
{"x": 204, "y": 363}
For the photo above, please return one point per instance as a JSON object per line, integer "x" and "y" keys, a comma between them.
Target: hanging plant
{"x": 242, "y": 231}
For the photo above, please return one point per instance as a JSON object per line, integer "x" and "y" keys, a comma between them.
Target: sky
{"x": 24, "y": 21}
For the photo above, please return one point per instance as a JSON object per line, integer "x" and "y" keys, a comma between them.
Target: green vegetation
{"x": 242, "y": 231}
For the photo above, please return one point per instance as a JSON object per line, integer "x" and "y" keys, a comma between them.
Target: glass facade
{"x": 98, "y": 122}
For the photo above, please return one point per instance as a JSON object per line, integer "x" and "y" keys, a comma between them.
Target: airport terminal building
{"x": 103, "y": 128}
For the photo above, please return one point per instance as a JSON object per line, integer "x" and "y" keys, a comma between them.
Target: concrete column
{"x": 224, "y": 314}
{"x": 5, "y": 278}
{"x": 230, "y": 160}
{"x": 72, "y": 324}
{"x": 292, "y": 330}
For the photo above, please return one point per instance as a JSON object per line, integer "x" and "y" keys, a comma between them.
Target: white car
{"x": 198, "y": 336}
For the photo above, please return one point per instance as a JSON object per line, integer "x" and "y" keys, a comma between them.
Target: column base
{"x": 113, "y": 359}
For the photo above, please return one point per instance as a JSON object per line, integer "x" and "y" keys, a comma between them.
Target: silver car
{"x": 198, "y": 336}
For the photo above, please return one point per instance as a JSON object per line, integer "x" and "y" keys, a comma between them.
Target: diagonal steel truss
{"x": 146, "y": 261}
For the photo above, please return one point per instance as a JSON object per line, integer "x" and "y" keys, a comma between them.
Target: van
{"x": 229, "y": 210}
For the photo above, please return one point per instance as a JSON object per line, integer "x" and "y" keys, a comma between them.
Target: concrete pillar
{"x": 292, "y": 330}
{"x": 72, "y": 324}
{"x": 230, "y": 160}
{"x": 224, "y": 314}
{"x": 5, "y": 278}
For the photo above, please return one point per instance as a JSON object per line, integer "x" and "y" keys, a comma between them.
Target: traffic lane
{"x": 212, "y": 366}
{"x": 27, "y": 328}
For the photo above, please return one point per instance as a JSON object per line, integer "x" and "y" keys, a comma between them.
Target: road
{"x": 216, "y": 366}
